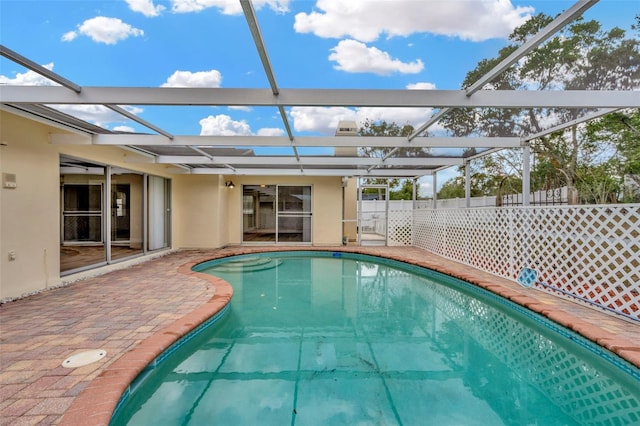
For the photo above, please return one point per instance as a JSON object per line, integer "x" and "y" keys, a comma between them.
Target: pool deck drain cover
{"x": 84, "y": 358}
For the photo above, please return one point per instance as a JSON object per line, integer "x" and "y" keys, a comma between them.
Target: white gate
{"x": 373, "y": 208}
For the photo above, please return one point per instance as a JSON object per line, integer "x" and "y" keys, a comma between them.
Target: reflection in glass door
{"x": 126, "y": 213}
{"x": 278, "y": 214}
{"x": 258, "y": 213}
{"x": 294, "y": 214}
{"x": 82, "y": 195}
{"x": 159, "y": 213}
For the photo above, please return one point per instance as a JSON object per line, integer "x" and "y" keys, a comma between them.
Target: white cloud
{"x": 211, "y": 78}
{"x": 240, "y": 108}
{"x": 423, "y": 85}
{"x": 97, "y": 114}
{"x": 29, "y": 78}
{"x": 366, "y": 21}
{"x": 325, "y": 120}
{"x": 146, "y": 7}
{"x": 400, "y": 116}
{"x": 353, "y": 56}
{"x": 125, "y": 129}
{"x": 70, "y": 36}
{"x": 426, "y": 186}
{"x": 223, "y": 125}
{"x": 320, "y": 119}
{"x": 227, "y": 7}
{"x": 104, "y": 30}
{"x": 270, "y": 131}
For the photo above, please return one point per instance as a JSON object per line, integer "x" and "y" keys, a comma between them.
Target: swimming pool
{"x": 330, "y": 338}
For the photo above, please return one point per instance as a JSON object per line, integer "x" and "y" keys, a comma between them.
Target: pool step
{"x": 249, "y": 264}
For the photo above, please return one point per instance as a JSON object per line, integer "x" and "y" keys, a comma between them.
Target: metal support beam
{"x": 563, "y": 19}
{"x": 380, "y": 173}
{"x": 413, "y": 192}
{"x": 304, "y": 141}
{"x": 434, "y": 177}
{"x": 199, "y": 151}
{"x": 28, "y": 63}
{"x": 250, "y": 15}
{"x": 433, "y": 120}
{"x": 269, "y": 160}
{"x": 583, "y": 119}
{"x": 216, "y": 96}
{"x": 139, "y": 120}
{"x": 526, "y": 175}
{"x": 467, "y": 184}
{"x": 252, "y": 21}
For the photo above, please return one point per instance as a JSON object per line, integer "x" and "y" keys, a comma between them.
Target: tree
{"x": 400, "y": 190}
{"x": 622, "y": 130}
{"x": 453, "y": 188}
{"x": 582, "y": 56}
{"x": 404, "y": 191}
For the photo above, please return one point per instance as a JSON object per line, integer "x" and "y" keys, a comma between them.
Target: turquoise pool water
{"x": 331, "y": 338}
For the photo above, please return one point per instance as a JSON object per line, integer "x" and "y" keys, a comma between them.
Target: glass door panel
{"x": 259, "y": 213}
{"x": 159, "y": 220}
{"x": 82, "y": 217}
{"x": 127, "y": 194}
{"x": 294, "y": 214}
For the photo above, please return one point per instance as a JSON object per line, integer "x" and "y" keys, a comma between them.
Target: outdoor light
{"x": 229, "y": 184}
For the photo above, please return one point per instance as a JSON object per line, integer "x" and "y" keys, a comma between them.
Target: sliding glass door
{"x": 276, "y": 213}
{"x": 109, "y": 214}
{"x": 159, "y": 213}
{"x": 294, "y": 214}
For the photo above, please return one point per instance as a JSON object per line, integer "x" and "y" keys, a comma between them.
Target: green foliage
{"x": 621, "y": 132}
{"x": 593, "y": 157}
{"x": 405, "y": 191}
{"x": 453, "y": 188}
{"x": 399, "y": 189}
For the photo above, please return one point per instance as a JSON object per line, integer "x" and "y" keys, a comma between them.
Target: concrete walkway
{"x": 135, "y": 313}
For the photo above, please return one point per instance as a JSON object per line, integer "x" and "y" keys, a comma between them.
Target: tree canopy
{"x": 400, "y": 189}
{"x": 592, "y": 157}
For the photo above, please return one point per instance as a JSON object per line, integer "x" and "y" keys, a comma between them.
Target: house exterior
{"x": 70, "y": 209}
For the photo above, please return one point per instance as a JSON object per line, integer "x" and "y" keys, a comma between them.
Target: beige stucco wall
{"x": 30, "y": 213}
{"x": 29, "y": 222}
{"x": 196, "y": 211}
{"x": 326, "y": 205}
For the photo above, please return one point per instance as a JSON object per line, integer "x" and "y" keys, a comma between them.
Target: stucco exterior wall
{"x": 29, "y": 218}
{"x": 30, "y": 213}
{"x": 196, "y": 211}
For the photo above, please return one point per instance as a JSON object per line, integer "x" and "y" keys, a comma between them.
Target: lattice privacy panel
{"x": 399, "y": 232}
{"x": 553, "y": 370}
{"x": 591, "y": 253}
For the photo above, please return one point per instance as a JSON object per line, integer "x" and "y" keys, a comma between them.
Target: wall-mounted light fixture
{"x": 229, "y": 184}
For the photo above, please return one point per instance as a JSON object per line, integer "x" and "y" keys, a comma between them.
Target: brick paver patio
{"x": 137, "y": 312}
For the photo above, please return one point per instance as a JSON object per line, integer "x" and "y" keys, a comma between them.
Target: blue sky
{"x": 393, "y": 44}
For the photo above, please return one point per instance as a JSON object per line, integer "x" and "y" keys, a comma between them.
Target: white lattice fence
{"x": 587, "y": 252}
{"x": 399, "y": 228}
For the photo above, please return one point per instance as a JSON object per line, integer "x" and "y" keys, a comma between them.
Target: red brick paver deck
{"x": 137, "y": 312}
